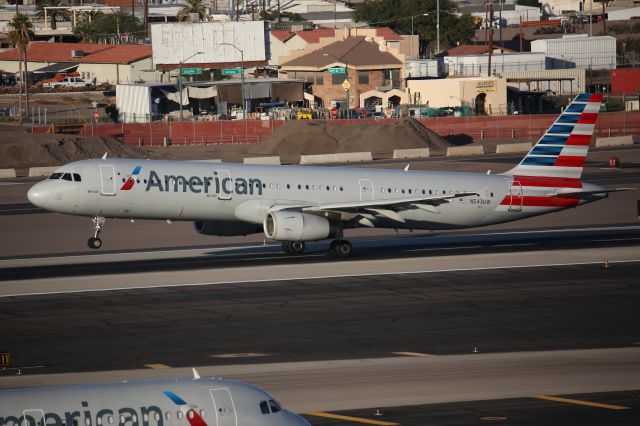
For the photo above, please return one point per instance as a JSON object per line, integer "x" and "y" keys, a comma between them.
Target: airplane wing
{"x": 363, "y": 211}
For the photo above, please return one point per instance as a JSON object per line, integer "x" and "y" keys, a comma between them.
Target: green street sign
{"x": 189, "y": 71}
{"x": 337, "y": 70}
{"x": 232, "y": 71}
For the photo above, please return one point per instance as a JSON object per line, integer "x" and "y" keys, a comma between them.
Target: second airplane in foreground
{"x": 295, "y": 204}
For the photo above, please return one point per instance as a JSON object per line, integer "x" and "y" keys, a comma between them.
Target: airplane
{"x": 181, "y": 402}
{"x": 298, "y": 204}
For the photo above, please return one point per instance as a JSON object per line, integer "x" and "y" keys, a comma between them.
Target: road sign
{"x": 232, "y": 71}
{"x": 5, "y": 359}
{"x": 189, "y": 71}
{"x": 346, "y": 85}
{"x": 337, "y": 70}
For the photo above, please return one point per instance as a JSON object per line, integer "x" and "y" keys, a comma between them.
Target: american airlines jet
{"x": 294, "y": 204}
{"x": 182, "y": 402}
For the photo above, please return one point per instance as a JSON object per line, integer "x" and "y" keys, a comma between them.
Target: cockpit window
{"x": 264, "y": 407}
{"x": 275, "y": 407}
{"x": 76, "y": 177}
{"x": 66, "y": 176}
{"x": 55, "y": 176}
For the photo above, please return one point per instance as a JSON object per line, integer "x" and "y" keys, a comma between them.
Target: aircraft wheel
{"x": 94, "y": 243}
{"x": 297, "y": 247}
{"x": 341, "y": 249}
{"x": 286, "y": 246}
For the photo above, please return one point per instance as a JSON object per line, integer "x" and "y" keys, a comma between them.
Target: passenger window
{"x": 55, "y": 176}
{"x": 335, "y": 188}
{"x": 203, "y": 414}
{"x": 76, "y": 177}
{"x": 288, "y": 186}
{"x": 299, "y": 186}
{"x": 430, "y": 192}
{"x": 264, "y": 408}
{"x": 157, "y": 417}
{"x": 87, "y": 421}
{"x": 167, "y": 415}
{"x": 99, "y": 421}
{"x": 307, "y": 186}
{"x": 110, "y": 420}
{"x": 275, "y": 407}
{"x": 328, "y": 188}
{"x": 491, "y": 194}
{"x": 145, "y": 417}
{"x": 341, "y": 188}
{"x": 190, "y": 415}
{"x": 179, "y": 415}
{"x": 66, "y": 176}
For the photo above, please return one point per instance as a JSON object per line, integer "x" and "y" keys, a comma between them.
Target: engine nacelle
{"x": 296, "y": 226}
{"x": 226, "y": 228}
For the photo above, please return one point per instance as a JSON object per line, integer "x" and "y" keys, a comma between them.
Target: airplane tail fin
{"x": 561, "y": 152}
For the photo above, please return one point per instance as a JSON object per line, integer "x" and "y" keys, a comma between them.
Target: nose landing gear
{"x": 95, "y": 242}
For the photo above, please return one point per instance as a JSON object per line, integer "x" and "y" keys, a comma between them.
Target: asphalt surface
{"x": 358, "y": 317}
{"x": 516, "y": 411}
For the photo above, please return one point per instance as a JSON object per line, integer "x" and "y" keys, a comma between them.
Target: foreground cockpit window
{"x": 264, "y": 407}
{"x": 66, "y": 176}
{"x": 77, "y": 178}
{"x": 55, "y": 176}
{"x": 275, "y": 407}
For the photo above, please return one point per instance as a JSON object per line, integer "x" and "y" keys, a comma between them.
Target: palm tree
{"x": 54, "y": 14}
{"x": 193, "y": 6}
{"x": 20, "y": 34}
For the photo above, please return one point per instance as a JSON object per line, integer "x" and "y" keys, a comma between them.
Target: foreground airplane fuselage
{"x": 181, "y": 402}
{"x": 294, "y": 204}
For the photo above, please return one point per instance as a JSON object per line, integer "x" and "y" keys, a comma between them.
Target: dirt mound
{"x": 21, "y": 149}
{"x": 301, "y": 137}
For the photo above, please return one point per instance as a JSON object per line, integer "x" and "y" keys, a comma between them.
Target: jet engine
{"x": 224, "y": 228}
{"x": 296, "y": 226}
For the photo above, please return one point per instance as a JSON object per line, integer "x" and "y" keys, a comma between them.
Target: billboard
{"x": 173, "y": 43}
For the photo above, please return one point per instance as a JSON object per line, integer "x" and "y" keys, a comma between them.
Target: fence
{"x": 471, "y": 128}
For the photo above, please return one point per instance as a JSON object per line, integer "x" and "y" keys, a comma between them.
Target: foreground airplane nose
{"x": 36, "y": 195}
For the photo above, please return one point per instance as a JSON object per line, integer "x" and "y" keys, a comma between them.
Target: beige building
{"x": 485, "y": 95}
{"x": 121, "y": 63}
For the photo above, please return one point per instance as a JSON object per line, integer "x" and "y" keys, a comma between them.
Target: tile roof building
{"x": 106, "y": 63}
{"x": 372, "y": 70}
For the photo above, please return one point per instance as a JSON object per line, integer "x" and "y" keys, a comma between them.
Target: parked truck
{"x": 68, "y": 82}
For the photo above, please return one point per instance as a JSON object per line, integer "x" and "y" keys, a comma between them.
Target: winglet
{"x": 196, "y": 376}
{"x": 104, "y": 157}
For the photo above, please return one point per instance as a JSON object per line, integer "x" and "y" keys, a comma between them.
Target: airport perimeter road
{"x": 500, "y": 309}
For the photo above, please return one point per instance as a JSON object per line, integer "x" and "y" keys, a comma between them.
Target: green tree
{"x": 20, "y": 34}
{"x": 116, "y": 28}
{"x": 397, "y": 14}
{"x": 272, "y": 16}
{"x": 193, "y": 6}
{"x": 54, "y": 14}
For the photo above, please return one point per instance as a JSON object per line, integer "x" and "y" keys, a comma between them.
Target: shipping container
{"x": 625, "y": 81}
{"x": 578, "y": 51}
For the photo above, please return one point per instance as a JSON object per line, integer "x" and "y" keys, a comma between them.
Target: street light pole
{"x": 244, "y": 102}
{"x": 346, "y": 73}
{"x": 180, "y": 80}
{"x": 437, "y": 26}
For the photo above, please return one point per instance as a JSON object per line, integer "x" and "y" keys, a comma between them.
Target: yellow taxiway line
{"x": 351, "y": 419}
{"x": 580, "y": 402}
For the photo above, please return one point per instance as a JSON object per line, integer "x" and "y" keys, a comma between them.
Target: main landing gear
{"x": 95, "y": 242}
{"x": 338, "y": 248}
{"x": 293, "y": 247}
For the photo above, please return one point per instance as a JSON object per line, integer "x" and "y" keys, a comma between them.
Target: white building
{"x": 477, "y": 65}
{"x": 578, "y": 51}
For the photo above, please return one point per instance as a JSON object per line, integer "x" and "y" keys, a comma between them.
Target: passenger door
{"x": 224, "y": 407}
{"x": 108, "y": 180}
{"x": 516, "y": 198}
{"x": 366, "y": 190}
{"x": 226, "y": 185}
{"x": 33, "y": 417}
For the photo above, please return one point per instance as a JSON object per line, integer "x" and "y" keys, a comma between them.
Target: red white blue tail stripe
{"x": 561, "y": 152}
{"x": 554, "y": 165}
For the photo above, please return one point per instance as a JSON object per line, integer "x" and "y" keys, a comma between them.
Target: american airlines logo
{"x": 130, "y": 179}
{"x": 216, "y": 184}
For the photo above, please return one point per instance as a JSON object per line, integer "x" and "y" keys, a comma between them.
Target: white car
{"x": 68, "y": 82}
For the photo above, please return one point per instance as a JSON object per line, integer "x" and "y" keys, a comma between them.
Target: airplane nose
{"x": 36, "y": 195}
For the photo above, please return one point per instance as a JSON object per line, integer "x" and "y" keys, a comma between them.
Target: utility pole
{"x": 489, "y": 73}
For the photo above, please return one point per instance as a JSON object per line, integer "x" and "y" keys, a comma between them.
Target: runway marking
{"x": 411, "y": 354}
{"x": 157, "y": 366}
{"x": 351, "y": 419}
{"x": 309, "y": 278}
{"x": 580, "y": 402}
